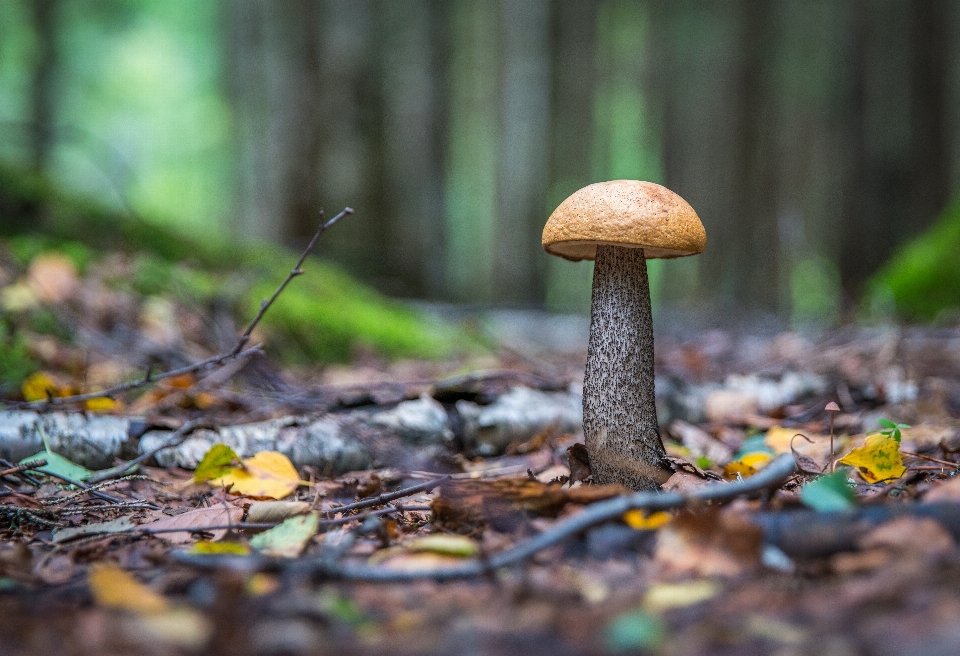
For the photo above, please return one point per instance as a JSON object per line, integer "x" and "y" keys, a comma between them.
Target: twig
{"x": 951, "y": 465}
{"x": 239, "y": 526}
{"x": 771, "y": 476}
{"x": 389, "y": 496}
{"x": 294, "y": 272}
{"x": 23, "y": 466}
{"x": 238, "y": 351}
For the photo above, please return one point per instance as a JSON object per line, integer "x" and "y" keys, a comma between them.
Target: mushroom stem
{"x": 619, "y": 409}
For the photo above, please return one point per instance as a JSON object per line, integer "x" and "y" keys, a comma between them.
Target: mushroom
{"x": 620, "y": 224}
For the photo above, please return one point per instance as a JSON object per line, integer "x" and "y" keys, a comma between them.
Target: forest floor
{"x": 173, "y": 561}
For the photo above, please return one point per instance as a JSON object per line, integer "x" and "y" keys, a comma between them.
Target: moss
{"x": 15, "y": 361}
{"x": 324, "y": 315}
{"x": 922, "y": 280}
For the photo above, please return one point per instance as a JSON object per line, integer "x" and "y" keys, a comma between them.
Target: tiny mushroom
{"x": 620, "y": 224}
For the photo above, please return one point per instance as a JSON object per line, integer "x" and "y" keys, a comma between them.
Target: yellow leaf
{"x": 747, "y": 465}
{"x": 446, "y": 545}
{"x": 38, "y": 385}
{"x": 102, "y": 404}
{"x": 114, "y": 588}
{"x": 639, "y": 520}
{"x": 267, "y": 474}
{"x": 666, "y": 596}
{"x": 877, "y": 460}
{"x": 229, "y": 548}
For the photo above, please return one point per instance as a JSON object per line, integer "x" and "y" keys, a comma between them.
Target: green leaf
{"x": 703, "y": 462}
{"x": 289, "y": 538}
{"x": 216, "y": 463}
{"x": 829, "y": 493}
{"x": 634, "y": 631}
{"x": 57, "y": 464}
{"x": 886, "y": 423}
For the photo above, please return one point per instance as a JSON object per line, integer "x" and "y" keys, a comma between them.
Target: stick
{"x": 389, "y": 496}
{"x": 238, "y": 351}
{"x": 771, "y": 476}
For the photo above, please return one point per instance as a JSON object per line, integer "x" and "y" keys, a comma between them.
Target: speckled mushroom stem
{"x": 619, "y": 410}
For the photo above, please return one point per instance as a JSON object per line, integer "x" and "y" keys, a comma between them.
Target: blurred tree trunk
{"x": 523, "y": 151}
{"x": 900, "y": 154}
{"x": 274, "y": 81}
{"x": 42, "y": 86}
{"x": 470, "y": 180}
{"x": 573, "y": 44}
{"x": 412, "y": 38}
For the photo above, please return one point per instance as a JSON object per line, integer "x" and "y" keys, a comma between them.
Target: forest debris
{"x": 667, "y": 596}
{"x": 220, "y": 515}
{"x": 518, "y": 416}
{"x": 810, "y": 534}
{"x": 266, "y": 474}
{"x": 465, "y": 505}
{"x": 709, "y": 543}
{"x": 119, "y": 525}
{"x": 948, "y": 490}
{"x": 289, "y": 538}
{"x": 114, "y": 588}
{"x": 878, "y": 459}
{"x": 700, "y": 442}
{"x": 265, "y": 512}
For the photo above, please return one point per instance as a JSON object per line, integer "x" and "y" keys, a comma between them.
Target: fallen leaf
{"x": 114, "y": 588}
{"x": 828, "y": 493}
{"x": 228, "y": 548}
{"x": 218, "y": 461}
{"x": 57, "y": 464}
{"x": 266, "y": 474}
{"x": 275, "y": 511}
{"x": 459, "y": 546}
{"x": 633, "y": 632}
{"x": 289, "y": 538}
{"x": 747, "y": 465}
{"x": 192, "y": 520}
{"x": 709, "y": 543}
{"x": 42, "y": 384}
{"x": 666, "y": 596}
{"x": 103, "y": 404}
{"x": 877, "y": 460}
{"x": 641, "y": 521}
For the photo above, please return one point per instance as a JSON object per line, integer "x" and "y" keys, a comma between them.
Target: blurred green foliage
{"x": 323, "y": 316}
{"x": 922, "y": 281}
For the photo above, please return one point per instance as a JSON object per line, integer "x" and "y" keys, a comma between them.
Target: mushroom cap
{"x": 627, "y": 213}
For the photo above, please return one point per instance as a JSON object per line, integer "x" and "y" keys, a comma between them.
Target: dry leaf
{"x": 194, "y": 520}
{"x": 114, "y": 588}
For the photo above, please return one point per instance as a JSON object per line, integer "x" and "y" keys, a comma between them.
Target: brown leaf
{"x": 196, "y": 519}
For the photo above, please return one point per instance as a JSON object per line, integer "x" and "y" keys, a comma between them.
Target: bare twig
{"x": 23, "y": 466}
{"x": 389, "y": 496}
{"x": 239, "y": 350}
{"x": 771, "y": 476}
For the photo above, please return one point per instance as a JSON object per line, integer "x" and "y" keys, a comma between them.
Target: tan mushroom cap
{"x": 627, "y": 213}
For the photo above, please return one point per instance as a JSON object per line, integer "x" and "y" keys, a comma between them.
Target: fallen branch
{"x": 770, "y": 477}
{"x": 239, "y": 350}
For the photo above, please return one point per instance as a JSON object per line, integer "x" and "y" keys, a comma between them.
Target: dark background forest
{"x": 813, "y": 137}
